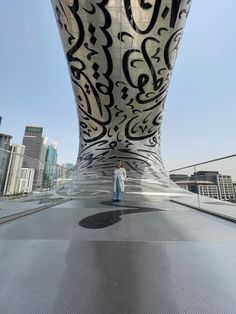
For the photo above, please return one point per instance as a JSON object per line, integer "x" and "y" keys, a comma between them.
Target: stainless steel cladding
{"x": 120, "y": 55}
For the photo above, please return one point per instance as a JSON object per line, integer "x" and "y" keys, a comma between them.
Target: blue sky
{"x": 200, "y": 112}
{"x": 199, "y": 119}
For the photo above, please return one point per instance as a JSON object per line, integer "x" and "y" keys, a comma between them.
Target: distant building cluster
{"x": 207, "y": 183}
{"x": 31, "y": 165}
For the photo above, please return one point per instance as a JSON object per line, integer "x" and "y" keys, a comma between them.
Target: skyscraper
{"x": 50, "y": 165}
{"x": 14, "y": 169}
{"x": 4, "y": 158}
{"x": 69, "y": 170}
{"x": 35, "y": 152}
{"x": 26, "y": 180}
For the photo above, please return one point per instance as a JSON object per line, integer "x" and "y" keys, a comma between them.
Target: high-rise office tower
{"x": 14, "y": 169}
{"x": 35, "y": 152}
{"x": 50, "y": 165}
{"x": 61, "y": 174}
{"x": 4, "y": 158}
{"x": 26, "y": 180}
{"x": 69, "y": 170}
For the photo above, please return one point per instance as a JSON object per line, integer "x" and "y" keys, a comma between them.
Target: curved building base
{"x": 120, "y": 57}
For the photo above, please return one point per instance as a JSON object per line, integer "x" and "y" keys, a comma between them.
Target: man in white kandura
{"x": 119, "y": 182}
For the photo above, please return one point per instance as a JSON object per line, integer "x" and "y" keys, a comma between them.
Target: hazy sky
{"x": 200, "y": 113}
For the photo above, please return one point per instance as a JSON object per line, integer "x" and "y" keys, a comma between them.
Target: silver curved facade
{"x": 120, "y": 55}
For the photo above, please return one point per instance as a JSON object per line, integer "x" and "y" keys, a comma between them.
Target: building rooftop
{"x": 5, "y": 135}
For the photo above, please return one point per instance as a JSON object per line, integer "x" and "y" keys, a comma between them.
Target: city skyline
{"x": 30, "y": 166}
{"x": 34, "y": 127}
{"x": 199, "y": 113}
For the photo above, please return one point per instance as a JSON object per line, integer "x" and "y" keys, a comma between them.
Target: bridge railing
{"x": 213, "y": 182}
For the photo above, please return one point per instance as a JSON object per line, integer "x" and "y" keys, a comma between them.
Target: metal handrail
{"x": 202, "y": 163}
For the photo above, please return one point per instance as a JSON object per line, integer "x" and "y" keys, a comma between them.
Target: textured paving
{"x": 98, "y": 257}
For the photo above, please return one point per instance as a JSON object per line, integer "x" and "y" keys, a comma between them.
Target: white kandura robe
{"x": 120, "y": 173}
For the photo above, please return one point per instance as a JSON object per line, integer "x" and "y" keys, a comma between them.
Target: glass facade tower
{"x": 4, "y": 158}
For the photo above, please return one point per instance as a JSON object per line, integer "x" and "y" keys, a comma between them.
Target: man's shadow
{"x": 106, "y": 219}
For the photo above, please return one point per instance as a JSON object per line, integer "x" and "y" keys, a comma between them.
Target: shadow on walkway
{"x": 106, "y": 219}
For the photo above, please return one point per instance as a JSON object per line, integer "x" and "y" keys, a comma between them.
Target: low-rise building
{"x": 224, "y": 183}
{"x": 207, "y": 183}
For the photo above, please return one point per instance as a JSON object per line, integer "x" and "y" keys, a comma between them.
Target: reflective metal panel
{"x": 120, "y": 55}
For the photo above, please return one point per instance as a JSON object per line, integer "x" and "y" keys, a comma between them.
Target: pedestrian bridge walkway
{"x": 144, "y": 255}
